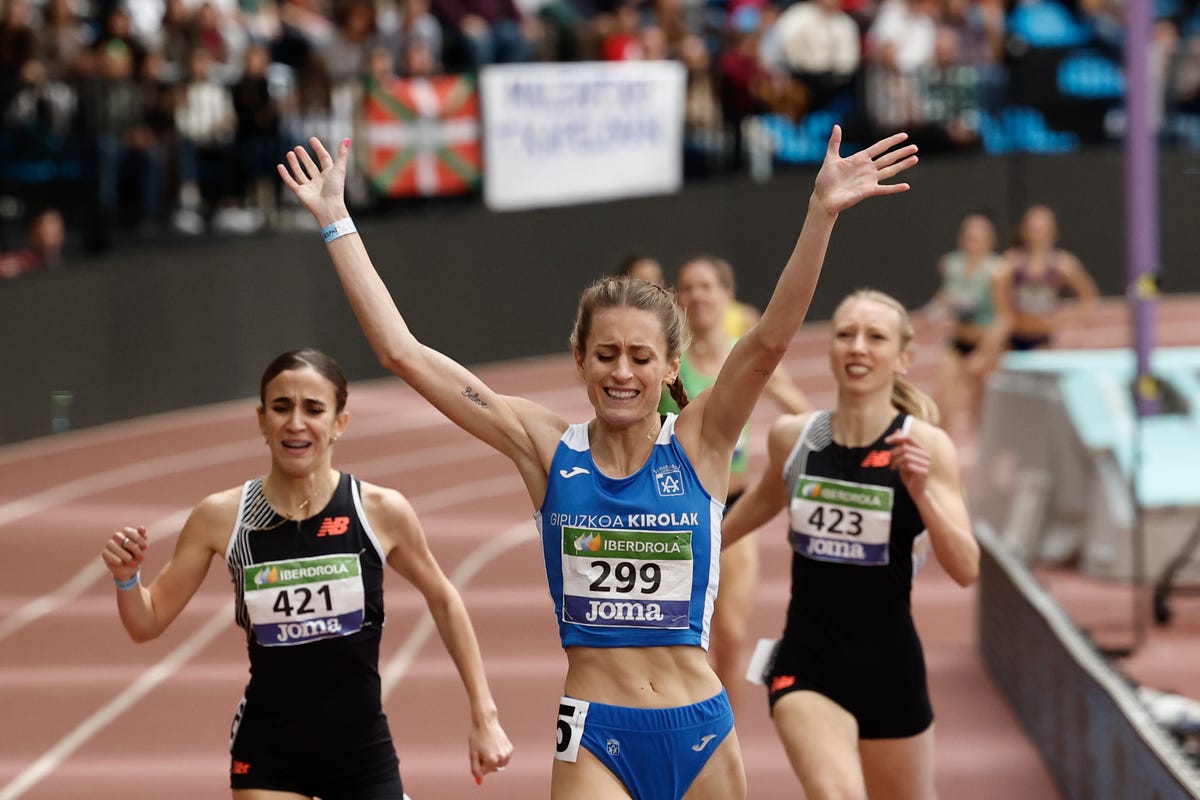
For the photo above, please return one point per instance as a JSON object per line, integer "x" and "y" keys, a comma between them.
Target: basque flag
{"x": 423, "y": 136}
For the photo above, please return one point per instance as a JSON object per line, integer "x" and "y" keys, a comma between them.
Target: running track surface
{"x": 85, "y": 713}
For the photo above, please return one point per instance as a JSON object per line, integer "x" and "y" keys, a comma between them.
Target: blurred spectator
{"x": 653, "y": 42}
{"x": 257, "y": 137}
{"x": 416, "y": 23}
{"x": 354, "y": 34}
{"x": 903, "y": 35}
{"x": 43, "y": 246}
{"x": 419, "y": 60}
{"x": 118, "y": 27}
{"x": 481, "y": 32}
{"x": 621, "y": 41}
{"x": 41, "y": 114}
{"x": 973, "y": 31}
{"x": 61, "y": 41}
{"x": 821, "y": 49}
{"x": 705, "y": 145}
{"x": 18, "y": 44}
{"x": 206, "y": 124}
{"x": 113, "y": 117}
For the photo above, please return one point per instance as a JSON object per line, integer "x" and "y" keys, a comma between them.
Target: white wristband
{"x": 338, "y": 228}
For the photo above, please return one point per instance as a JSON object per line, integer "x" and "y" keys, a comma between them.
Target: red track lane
{"x": 87, "y": 714}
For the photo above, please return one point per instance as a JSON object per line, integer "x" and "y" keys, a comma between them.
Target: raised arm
{"x": 146, "y": 611}
{"x": 768, "y": 495}
{"x": 928, "y": 466}
{"x": 522, "y": 430}
{"x": 840, "y": 184}
{"x": 408, "y": 553}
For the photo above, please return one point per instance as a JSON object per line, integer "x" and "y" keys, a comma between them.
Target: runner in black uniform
{"x": 305, "y": 547}
{"x": 847, "y": 686}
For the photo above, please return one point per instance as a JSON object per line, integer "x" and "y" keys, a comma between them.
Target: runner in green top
{"x": 704, "y": 288}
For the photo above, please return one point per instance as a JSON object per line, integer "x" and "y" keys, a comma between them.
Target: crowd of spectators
{"x": 174, "y": 112}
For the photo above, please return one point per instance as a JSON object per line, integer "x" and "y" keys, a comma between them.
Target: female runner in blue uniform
{"x": 847, "y": 686}
{"x": 306, "y": 546}
{"x": 628, "y": 505}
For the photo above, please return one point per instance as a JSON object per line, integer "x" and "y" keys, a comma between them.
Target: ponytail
{"x": 678, "y": 393}
{"x": 911, "y": 400}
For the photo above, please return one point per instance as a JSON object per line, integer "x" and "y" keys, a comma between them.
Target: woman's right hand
{"x": 124, "y": 551}
{"x": 319, "y": 186}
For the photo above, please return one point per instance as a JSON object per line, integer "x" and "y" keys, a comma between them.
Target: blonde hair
{"x": 622, "y": 292}
{"x": 905, "y": 396}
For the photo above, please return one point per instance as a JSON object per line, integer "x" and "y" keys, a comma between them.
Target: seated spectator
{"x": 621, "y": 42}
{"x": 40, "y": 117}
{"x": 821, "y": 49}
{"x": 705, "y": 142}
{"x": 354, "y": 35}
{"x": 61, "y": 41}
{"x": 415, "y": 23}
{"x": 257, "y": 137}
{"x": 18, "y": 44}
{"x": 481, "y": 32}
{"x": 206, "y": 123}
{"x": 43, "y": 246}
{"x": 112, "y": 114}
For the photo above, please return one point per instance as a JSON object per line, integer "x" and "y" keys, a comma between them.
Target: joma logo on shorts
{"x": 827, "y": 547}
{"x": 308, "y": 629}
{"x": 633, "y": 612}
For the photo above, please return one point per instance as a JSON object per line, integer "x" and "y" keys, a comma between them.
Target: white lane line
{"x": 398, "y": 665}
{"x": 108, "y": 479}
{"x": 77, "y": 584}
{"x": 147, "y": 682}
{"x": 160, "y": 672}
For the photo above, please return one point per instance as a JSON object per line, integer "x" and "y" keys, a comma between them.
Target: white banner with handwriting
{"x": 557, "y": 134}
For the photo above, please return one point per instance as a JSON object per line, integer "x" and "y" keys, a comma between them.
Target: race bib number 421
{"x": 840, "y": 521}
{"x": 305, "y": 599}
{"x": 626, "y": 579}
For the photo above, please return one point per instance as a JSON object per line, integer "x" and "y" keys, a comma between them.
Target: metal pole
{"x": 1141, "y": 259}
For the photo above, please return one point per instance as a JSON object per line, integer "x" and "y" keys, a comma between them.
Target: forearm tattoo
{"x": 474, "y": 397}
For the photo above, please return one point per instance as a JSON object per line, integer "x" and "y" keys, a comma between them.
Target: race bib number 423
{"x": 303, "y": 600}
{"x": 840, "y": 521}
{"x": 627, "y": 579}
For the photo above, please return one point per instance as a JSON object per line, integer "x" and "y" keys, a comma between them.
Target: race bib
{"x": 840, "y": 521}
{"x": 627, "y": 579}
{"x": 572, "y": 718}
{"x": 306, "y": 599}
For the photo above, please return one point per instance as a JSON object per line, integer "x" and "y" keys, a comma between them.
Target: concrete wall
{"x": 149, "y": 330}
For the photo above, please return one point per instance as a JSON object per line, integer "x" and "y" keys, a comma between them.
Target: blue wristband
{"x": 337, "y": 229}
{"x": 126, "y": 585}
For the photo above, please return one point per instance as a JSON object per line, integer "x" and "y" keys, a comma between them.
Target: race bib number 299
{"x": 306, "y": 599}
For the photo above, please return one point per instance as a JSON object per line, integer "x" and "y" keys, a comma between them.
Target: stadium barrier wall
{"x": 156, "y": 328}
{"x": 1097, "y": 739}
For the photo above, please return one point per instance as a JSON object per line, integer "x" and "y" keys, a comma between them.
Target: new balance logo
{"x": 704, "y": 740}
{"x": 334, "y": 526}
{"x": 240, "y": 768}
{"x": 878, "y": 458}
{"x": 573, "y": 472}
{"x": 782, "y": 682}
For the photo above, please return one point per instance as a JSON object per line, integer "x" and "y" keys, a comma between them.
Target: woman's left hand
{"x": 911, "y": 460}
{"x": 844, "y": 182}
{"x": 490, "y": 749}
{"x": 318, "y": 185}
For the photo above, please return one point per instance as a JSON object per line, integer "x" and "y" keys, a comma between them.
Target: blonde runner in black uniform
{"x": 306, "y": 546}
{"x": 847, "y": 687}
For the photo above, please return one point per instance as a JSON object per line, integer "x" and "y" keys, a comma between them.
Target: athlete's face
{"x": 1039, "y": 229}
{"x": 866, "y": 352}
{"x": 976, "y": 236}
{"x": 624, "y": 364}
{"x": 300, "y": 421}
{"x": 701, "y": 294}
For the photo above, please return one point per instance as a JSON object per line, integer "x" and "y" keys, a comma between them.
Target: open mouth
{"x": 857, "y": 370}
{"x": 621, "y": 394}
{"x": 296, "y": 445}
